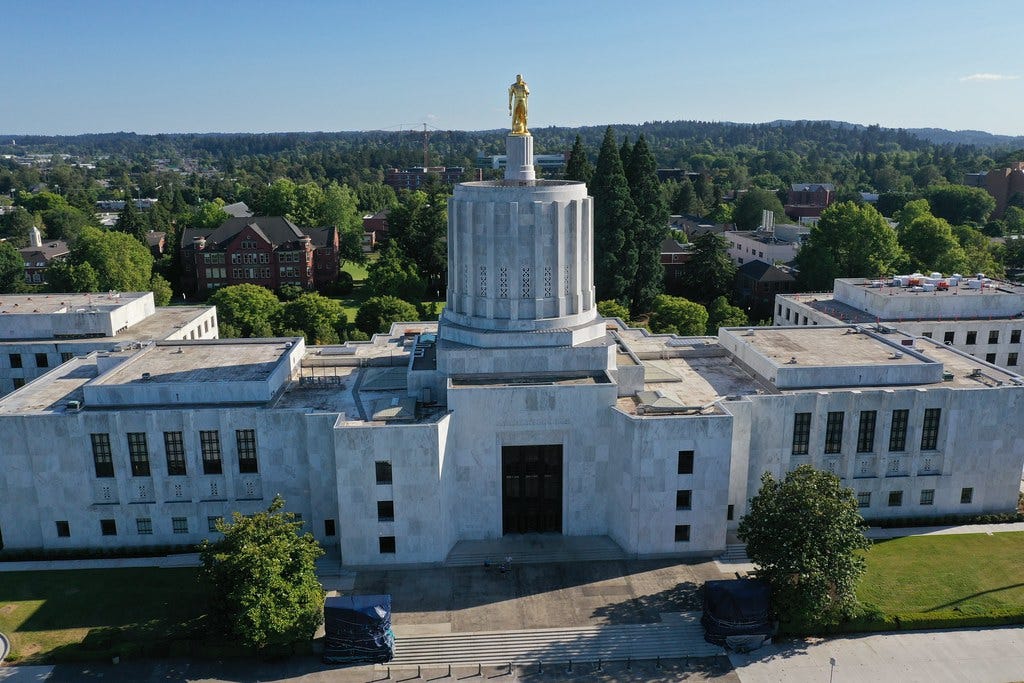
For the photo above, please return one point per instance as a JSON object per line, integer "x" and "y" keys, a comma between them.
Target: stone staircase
{"x": 535, "y": 549}
{"x": 679, "y": 635}
{"x": 734, "y": 552}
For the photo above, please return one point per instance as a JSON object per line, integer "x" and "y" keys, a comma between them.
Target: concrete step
{"x": 578, "y": 549}
{"x": 682, "y": 636}
{"x": 734, "y": 552}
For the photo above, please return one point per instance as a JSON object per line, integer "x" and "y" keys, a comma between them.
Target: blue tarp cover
{"x": 358, "y": 629}
{"x": 736, "y": 607}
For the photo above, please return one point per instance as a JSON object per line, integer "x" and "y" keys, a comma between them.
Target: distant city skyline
{"x": 265, "y": 66}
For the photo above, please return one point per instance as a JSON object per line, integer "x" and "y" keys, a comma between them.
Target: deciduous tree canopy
{"x": 850, "y": 240}
{"x": 803, "y": 535}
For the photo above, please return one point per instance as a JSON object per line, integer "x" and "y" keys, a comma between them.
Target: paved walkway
{"x": 978, "y": 655}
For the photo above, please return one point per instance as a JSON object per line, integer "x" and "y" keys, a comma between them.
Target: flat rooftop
{"x": 199, "y": 362}
{"x": 823, "y": 347}
{"x": 13, "y": 304}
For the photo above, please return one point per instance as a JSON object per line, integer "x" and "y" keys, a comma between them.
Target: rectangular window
{"x": 864, "y": 499}
{"x": 19, "y": 382}
{"x": 174, "y": 445}
{"x": 329, "y": 529}
{"x": 385, "y": 510}
{"x": 990, "y": 358}
{"x": 42, "y": 360}
{"x": 948, "y": 337}
{"x": 1011, "y": 359}
{"x": 898, "y": 431}
{"x": 972, "y": 337}
{"x": 15, "y": 360}
{"x": 138, "y": 454}
{"x": 246, "y": 441}
{"x": 65, "y": 356}
{"x": 927, "y": 496}
{"x": 866, "y": 431}
{"x": 1015, "y": 336}
{"x": 108, "y": 527}
{"x": 102, "y": 459}
{"x": 179, "y": 525}
{"x": 801, "y": 433}
{"x": 684, "y": 463}
{"x": 211, "y": 523}
{"x": 63, "y": 529}
{"x": 386, "y": 544}
{"x": 383, "y": 471}
{"x": 928, "y": 335}
{"x": 144, "y": 525}
{"x": 966, "y": 496}
{"x": 209, "y": 441}
{"x": 834, "y": 432}
{"x": 682, "y": 533}
{"x": 895, "y": 499}
{"x": 930, "y": 430}
{"x": 729, "y": 512}
{"x": 993, "y": 337}
{"x": 684, "y": 499}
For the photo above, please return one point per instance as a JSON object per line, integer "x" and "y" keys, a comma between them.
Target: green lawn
{"x": 90, "y": 614}
{"x": 971, "y": 574}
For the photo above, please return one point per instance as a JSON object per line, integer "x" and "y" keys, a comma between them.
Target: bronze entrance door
{"x": 531, "y": 499}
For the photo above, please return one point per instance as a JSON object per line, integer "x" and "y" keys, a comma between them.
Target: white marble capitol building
{"x": 521, "y": 411}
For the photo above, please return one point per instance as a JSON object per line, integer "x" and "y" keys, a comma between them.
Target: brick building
{"x": 270, "y": 251}
{"x": 808, "y": 200}
{"x": 1001, "y": 183}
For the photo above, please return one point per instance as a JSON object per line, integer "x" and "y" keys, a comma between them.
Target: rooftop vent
{"x": 750, "y": 332}
{"x": 896, "y": 355}
{"x": 146, "y": 377}
{"x": 287, "y": 345}
{"x": 791, "y": 361}
{"x": 73, "y": 406}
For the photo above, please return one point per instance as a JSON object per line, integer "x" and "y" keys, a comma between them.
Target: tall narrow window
{"x": 834, "y": 432}
{"x": 383, "y": 471}
{"x": 209, "y": 441}
{"x": 246, "y": 441}
{"x": 1015, "y": 336}
{"x": 930, "y": 429}
{"x": 138, "y": 453}
{"x": 684, "y": 499}
{"x": 801, "y": 433}
{"x": 385, "y": 510}
{"x": 993, "y": 336}
{"x": 42, "y": 360}
{"x": 866, "y": 431}
{"x": 684, "y": 465}
{"x": 102, "y": 459}
{"x": 898, "y": 431}
{"x": 15, "y": 360}
{"x": 174, "y": 445}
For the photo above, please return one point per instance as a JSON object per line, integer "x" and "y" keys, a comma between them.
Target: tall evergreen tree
{"x": 614, "y": 213}
{"x": 625, "y": 153}
{"x": 650, "y": 229}
{"x": 579, "y": 167}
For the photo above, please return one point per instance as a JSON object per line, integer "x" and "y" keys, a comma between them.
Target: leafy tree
{"x": 419, "y": 227}
{"x": 578, "y": 167}
{"x": 393, "y": 274}
{"x": 247, "y": 308}
{"x": 120, "y": 261}
{"x": 803, "y": 535}
{"x": 375, "y": 197}
{"x": 650, "y": 228}
{"x": 684, "y": 199}
{"x": 15, "y": 226}
{"x": 960, "y": 203}
{"x": 209, "y": 215}
{"x": 710, "y": 272}
{"x": 850, "y": 240}
{"x": 65, "y": 222}
{"x": 982, "y": 254}
{"x": 290, "y": 292}
{"x": 614, "y": 216}
{"x": 12, "y": 268}
{"x": 723, "y": 314}
{"x": 747, "y": 213}
{"x": 676, "y": 315}
{"x": 378, "y": 312}
{"x": 161, "y": 289}
{"x": 613, "y": 309}
{"x": 1014, "y": 218}
{"x": 130, "y": 220}
{"x": 720, "y": 214}
{"x": 261, "y": 578}
{"x": 321, "y": 320}
{"x": 929, "y": 244}
{"x": 64, "y": 276}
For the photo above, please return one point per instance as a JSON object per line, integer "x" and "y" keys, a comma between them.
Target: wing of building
{"x": 520, "y": 411}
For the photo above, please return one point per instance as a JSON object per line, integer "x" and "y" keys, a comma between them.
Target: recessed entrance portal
{"x": 531, "y": 499}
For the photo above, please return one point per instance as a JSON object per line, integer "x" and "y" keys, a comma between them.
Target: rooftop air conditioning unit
{"x": 74, "y": 406}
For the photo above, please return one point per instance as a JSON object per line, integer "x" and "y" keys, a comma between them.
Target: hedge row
{"x": 946, "y": 520}
{"x": 872, "y": 620}
{"x": 42, "y": 554}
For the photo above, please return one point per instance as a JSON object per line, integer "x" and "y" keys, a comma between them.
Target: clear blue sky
{"x": 183, "y": 66}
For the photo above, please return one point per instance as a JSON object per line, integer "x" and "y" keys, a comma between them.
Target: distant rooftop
{"x": 14, "y": 304}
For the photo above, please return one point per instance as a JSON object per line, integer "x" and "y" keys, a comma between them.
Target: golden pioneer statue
{"x": 517, "y": 94}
